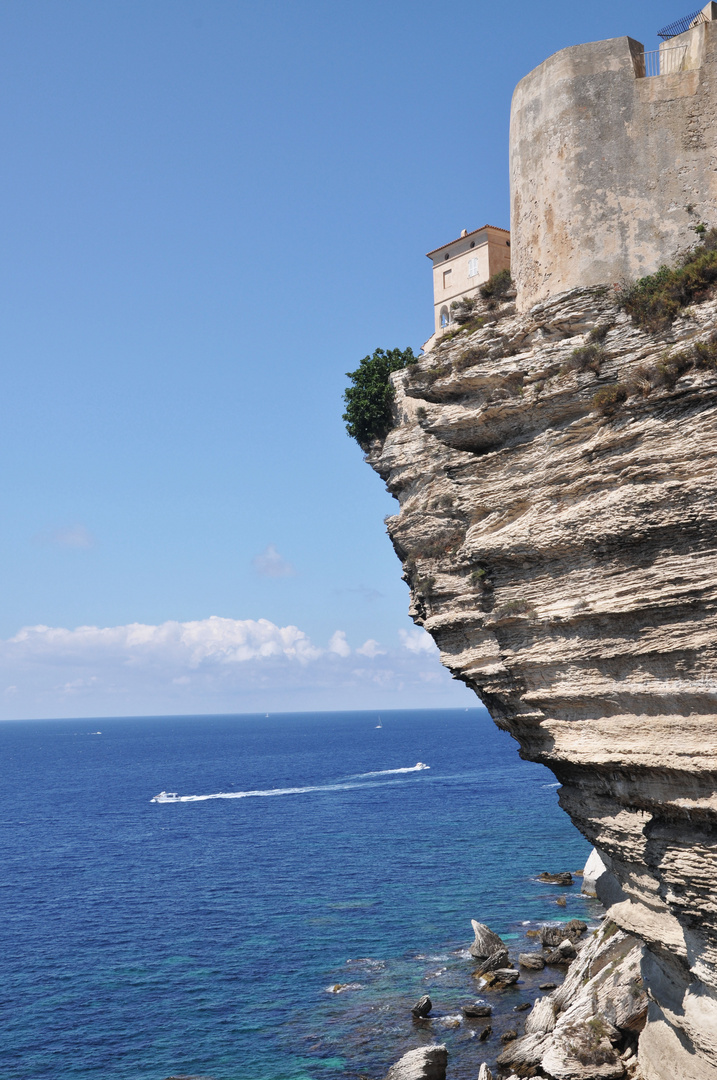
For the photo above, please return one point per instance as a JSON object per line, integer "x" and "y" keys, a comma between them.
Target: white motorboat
{"x": 166, "y": 796}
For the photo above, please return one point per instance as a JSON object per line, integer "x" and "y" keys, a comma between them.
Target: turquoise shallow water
{"x": 147, "y": 940}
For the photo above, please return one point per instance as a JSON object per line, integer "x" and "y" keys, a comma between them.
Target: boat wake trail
{"x": 418, "y": 767}
{"x": 173, "y": 797}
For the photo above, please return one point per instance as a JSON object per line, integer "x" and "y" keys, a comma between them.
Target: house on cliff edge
{"x": 460, "y": 267}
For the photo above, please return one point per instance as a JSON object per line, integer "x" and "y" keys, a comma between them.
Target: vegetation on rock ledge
{"x": 369, "y": 400}
{"x": 497, "y": 286}
{"x": 654, "y": 302}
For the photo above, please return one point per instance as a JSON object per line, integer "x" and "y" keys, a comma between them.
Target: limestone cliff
{"x": 562, "y": 555}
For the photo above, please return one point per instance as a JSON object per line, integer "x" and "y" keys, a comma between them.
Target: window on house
{"x": 444, "y": 317}
{"x": 446, "y": 278}
{"x": 472, "y": 267}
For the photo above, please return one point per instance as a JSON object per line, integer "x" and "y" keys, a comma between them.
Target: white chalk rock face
{"x": 594, "y": 869}
{"x": 560, "y": 551}
{"x": 541, "y": 1018}
{"x": 424, "y": 1063}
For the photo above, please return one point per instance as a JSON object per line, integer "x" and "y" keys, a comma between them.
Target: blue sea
{"x": 282, "y": 935}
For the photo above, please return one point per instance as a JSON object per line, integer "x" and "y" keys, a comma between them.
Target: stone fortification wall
{"x": 604, "y": 163}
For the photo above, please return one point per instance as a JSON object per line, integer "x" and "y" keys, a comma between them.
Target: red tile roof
{"x": 471, "y": 233}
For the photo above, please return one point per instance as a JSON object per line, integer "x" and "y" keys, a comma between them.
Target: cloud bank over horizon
{"x": 214, "y": 665}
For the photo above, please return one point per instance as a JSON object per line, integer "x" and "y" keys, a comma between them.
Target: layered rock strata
{"x": 561, "y": 552}
{"x": 588, "y": 1027}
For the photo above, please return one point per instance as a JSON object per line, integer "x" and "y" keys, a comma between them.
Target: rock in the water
{"x": 532, "y": 960}
{"x": 486, "y": 942}
{"x": 565, "y": 878}
{"x": 551, "y": 936}
{"x": 564, "y": 953}
{"x": 508, "y": 1036}
{"x": 484, "y": 1073}
{"x": 474, "y": 1012}
{"x": 594, "y": 870}
{"x": 499, "y": 959}
{"x": 424, "y": 1063}
{"x": 522, "y": 1007}
{"x": 547, "y": 986}
{"x": 423, "y": 1006}
{"x": 505, "y": 976}
{"x": 560, "y": 955}
{"x": 555, "y": 958}
{"x": 485, "y": 1033}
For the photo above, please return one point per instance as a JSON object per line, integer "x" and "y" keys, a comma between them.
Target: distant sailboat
{"x": 379, "y": 724}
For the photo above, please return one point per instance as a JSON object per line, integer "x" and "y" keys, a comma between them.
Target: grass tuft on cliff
{"x": 654, "y": 302}
{"x": 370, "y": 397}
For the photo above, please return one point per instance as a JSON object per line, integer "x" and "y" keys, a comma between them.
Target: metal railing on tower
{"x": 681, "y": 25}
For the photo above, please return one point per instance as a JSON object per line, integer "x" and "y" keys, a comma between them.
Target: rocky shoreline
{"x": 586, "y": 1028}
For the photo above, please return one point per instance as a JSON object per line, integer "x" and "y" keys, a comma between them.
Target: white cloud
{"x": 338, "y": 644}
{"x": 212, "y": 665}
{"x": 417, "y": 640}
{"x": 271, "y": 564}
{"x": 371, "y": 648}
{"x": 208, "y": 641}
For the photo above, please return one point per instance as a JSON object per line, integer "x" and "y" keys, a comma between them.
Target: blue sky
{"x": 210, "y": 212}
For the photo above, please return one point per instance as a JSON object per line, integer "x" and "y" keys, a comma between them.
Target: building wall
{"x": 491, "y": 249}
{"x": 604, "y": 163}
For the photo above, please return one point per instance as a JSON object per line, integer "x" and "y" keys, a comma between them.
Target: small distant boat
{"x": 420, "y": 765}
{"x": 166, "y": 796}
{"x": 379, "y": 724}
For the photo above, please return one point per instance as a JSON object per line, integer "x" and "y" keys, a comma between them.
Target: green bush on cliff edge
{"x": 369, "y": 399}
{"x": 654, "y": 302}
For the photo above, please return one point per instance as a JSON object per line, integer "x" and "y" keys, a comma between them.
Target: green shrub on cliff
{"x": 654, "y": 302}
{"x": 497, "y": 285}
{"x": 369, "y": 399}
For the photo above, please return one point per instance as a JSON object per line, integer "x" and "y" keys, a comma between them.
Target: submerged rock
{"x": 475, "y": 1012}
{"x": 486, "y": 942}
{"x": 424, "y": 1063}
{"x": 565, "y": 878}
{"x": 422, "y": 1007}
